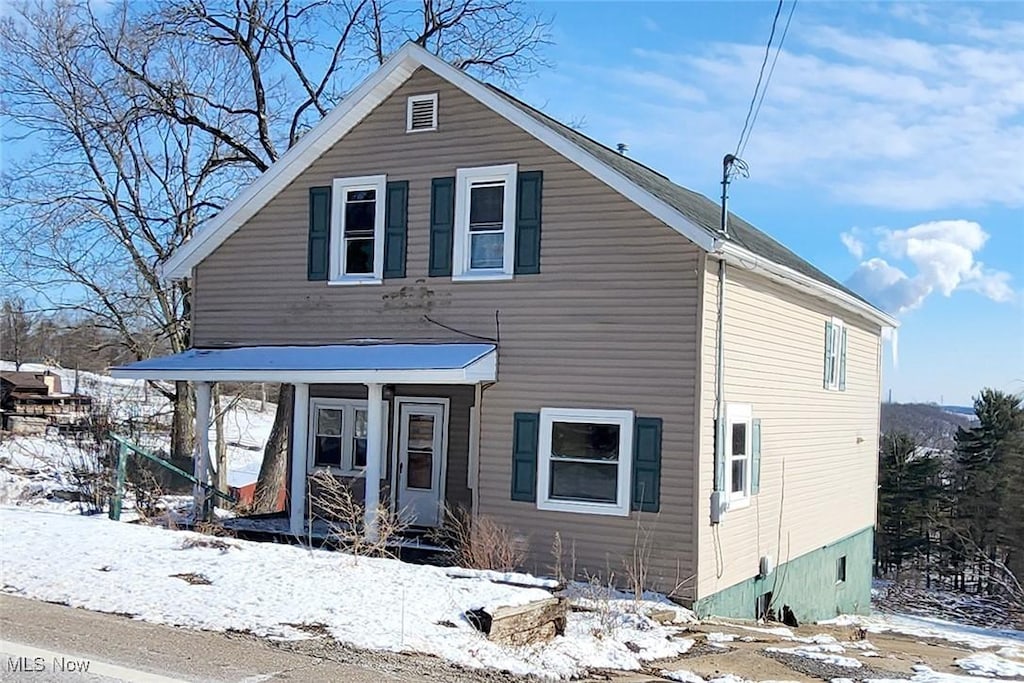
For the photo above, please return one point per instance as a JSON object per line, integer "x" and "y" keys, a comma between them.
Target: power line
{"x": 760, "y": 77}
{"x": 768, "y": 80}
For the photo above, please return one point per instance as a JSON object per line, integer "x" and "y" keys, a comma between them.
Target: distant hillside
{"x": 931, "y": 425}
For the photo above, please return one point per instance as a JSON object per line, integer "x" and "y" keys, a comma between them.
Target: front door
{"x": 421, "y": 456}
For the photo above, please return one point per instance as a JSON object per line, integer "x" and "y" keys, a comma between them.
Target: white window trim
{"x": 348, "y": 425}
{"x": 413, "y": 99}
{"x": 738, "y": 413}
{"x": 464, "y": 177}
{"x": 622, "y": 418}
{"x": 337, "y": 256}
{"x": 834, "y": 359}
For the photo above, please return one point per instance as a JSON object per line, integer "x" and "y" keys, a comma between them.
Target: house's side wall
{"x": 818, "y": 454}
{"x": 610, "y": 322}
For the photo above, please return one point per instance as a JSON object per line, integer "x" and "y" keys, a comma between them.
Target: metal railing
{"x": 126, "y": 447}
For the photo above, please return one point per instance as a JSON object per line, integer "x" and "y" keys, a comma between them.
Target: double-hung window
{"x": 835, "y": 355}
{"x": 338, "y": 435}
{"x": 585, "y": 461}
{"x": 737, "y": 454}
{"x": 485, "y": 202}
{"x": 357, "y": 230}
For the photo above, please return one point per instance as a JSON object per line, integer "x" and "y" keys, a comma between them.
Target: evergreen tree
{"x": 989, "y": 511}
{"x": 909, "y": 487}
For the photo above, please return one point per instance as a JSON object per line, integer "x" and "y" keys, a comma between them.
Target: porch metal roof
{"x": 338, "y": 363}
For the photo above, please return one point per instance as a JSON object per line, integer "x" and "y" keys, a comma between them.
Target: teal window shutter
{"x": 442, "y": 226}
{"x": 828, "y": 352}
{"x": 396, "y": 220}
{"x": 646, "y": 464}
{"x": 755, "y": 456}
{"x": 319, "y": 233}
{"x": 842, "y": 361}
{"x": 528, "y": 203}
{"x": 525, "y": 435}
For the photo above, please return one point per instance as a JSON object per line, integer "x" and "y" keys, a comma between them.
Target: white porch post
{"x": 374, "y": 457}
{"x": 201, "y": 464}
{"x": 300, "y": 425}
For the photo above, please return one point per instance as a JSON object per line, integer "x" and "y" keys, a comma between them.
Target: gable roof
{"x": 689, "y": 213}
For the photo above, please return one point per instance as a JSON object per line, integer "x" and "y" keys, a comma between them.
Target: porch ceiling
{"x": 332, "y": 364}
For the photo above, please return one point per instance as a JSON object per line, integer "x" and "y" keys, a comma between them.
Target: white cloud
{"x": 890, "y": 120}
{"x": 853, "y": 244}
{"x": 943, "y": 254}
{"x": 650, "y": 24}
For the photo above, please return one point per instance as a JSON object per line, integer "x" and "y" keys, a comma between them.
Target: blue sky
{"x": 889, "y": 151}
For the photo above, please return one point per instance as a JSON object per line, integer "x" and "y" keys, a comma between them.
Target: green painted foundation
{"x": 809, "y": 584}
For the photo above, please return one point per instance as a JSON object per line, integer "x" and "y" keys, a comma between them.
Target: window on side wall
{"x": 585, "y": 461}
{"x": 338, "y": 436}
{"x": 357, "y": 230}
{"x": 835, "y": 355}
{"x": 737, "y": 454}
{"x": 485, "y": 201}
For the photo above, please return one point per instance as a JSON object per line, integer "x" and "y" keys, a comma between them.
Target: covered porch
{"x": 397, "y": 421}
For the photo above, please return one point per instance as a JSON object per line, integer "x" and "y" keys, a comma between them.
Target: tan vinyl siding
{"x": 609, "y": 323}
{"x": 825, "y": 441}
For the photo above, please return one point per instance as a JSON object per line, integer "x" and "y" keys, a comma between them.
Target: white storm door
{"x": 421, "y": 455}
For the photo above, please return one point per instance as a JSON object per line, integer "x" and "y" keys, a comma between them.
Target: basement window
{"x": 421, "y": 113}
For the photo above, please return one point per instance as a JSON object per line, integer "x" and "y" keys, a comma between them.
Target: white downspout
{"x": 297, "y": 493}
{"x": 201, "y": 464}
{"x": 374, "y": 457}
{"x": 718, "y": 495}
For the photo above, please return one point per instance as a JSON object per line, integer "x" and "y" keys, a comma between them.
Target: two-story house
{"x": 479, "y": 307}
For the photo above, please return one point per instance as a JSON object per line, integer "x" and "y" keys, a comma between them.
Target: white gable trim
{"x": 364, "y": 99}
{"x": 747, "y": 260}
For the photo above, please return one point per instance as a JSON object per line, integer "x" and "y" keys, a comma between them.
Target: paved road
{"x": 44, "y": 642}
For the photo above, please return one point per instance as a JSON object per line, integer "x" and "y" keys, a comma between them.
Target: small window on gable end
{"x": 421, "y": 113}
{"x": 841, "y": 569}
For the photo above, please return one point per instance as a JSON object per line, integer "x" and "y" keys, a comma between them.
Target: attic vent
{"x": 421, "y": 113}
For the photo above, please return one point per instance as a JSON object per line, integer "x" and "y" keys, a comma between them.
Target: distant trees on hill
{"x": 955, "y": 518}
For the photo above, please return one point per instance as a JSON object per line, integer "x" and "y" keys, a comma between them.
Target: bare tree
{"x": 148, "y": 116}
{"x": 15, "y": 331}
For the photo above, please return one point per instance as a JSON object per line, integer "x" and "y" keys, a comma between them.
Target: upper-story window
{"x": 357, "y": 230}
{"x": 835, "y": 355}
{"x": 485, "y": 203}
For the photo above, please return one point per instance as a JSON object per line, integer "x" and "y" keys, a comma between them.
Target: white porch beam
{"x": 374, "y": 457}
{"x": 201, "y": 463}
{"x": 300, "y": 427}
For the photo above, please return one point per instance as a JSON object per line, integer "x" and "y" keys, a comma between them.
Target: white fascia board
{"x": 747, "y": 260}
{"x": 471, "y": 374}
{"x": 360, "y": 102}
{"x": 352, "y": 109}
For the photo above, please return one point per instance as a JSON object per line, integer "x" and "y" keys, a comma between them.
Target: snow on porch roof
{"x": 340, "y": 363}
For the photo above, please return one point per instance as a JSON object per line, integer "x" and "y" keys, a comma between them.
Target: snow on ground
{"x": 273, "y": 590}
{"x": 974, "y": 637}
{"x": 132, "y": 402}
{"x": 828, "y": 654}
{"x": 990, "y": 664}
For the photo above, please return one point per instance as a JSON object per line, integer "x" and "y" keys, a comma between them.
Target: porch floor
{"x": 411, "y": 546}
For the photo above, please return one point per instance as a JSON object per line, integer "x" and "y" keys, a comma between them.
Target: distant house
{"x": 480, "y": 307}
{"x": 30, "y": 401}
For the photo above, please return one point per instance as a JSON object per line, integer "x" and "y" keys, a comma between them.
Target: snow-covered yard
{"x": 280, "y": 591}
{"x": 286, "y": 592}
